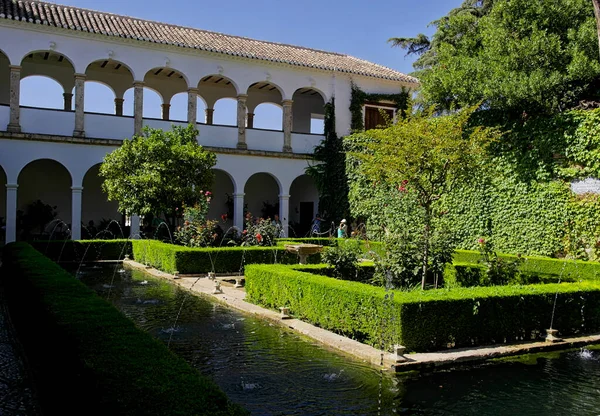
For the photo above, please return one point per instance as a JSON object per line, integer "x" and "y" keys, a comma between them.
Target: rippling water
{"x": 272, "y": 371}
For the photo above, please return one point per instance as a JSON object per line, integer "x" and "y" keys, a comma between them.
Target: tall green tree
{"x": 515, "y": 56}
{"x": 425, "y": 158}
{"x": 158, "y": 172}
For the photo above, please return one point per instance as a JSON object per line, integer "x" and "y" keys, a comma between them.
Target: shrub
{"x": 343, "y": 258}
{"x": 104, "y": 363}
{"x": 84, "y": 250}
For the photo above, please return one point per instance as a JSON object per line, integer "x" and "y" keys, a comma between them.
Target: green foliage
{"x": 196, "y": 230}
{"x": 343, "y": 258}
{"x": 498, "y": 271}
{"x": 419, "y": 159}
{"x": 36, "y": 217}
{"x": 106, "y": 364}
{"x": 260, "y": 231}
{"x": 426, "y": 320}
{"x": 516, "y": 56}
{"x": 158, "y": 172}
{"x": 328, "y": 170}
{"x": 185, "y": 260}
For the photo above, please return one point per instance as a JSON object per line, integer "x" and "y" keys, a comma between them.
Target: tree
{"x": 158, "y": 172}
{"x": 424, "y": 158}
{"x": 515, "y": 56}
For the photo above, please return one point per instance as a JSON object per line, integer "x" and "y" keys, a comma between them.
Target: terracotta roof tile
{"x": 73, "y": 18}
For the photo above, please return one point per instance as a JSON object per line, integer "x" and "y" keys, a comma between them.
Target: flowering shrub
{"x": 196, "y": 230}
{"x": 343, "y": 258}
{"x": 260, "y": 231}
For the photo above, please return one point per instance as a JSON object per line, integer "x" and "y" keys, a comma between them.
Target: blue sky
{"x": 356, "y": 28}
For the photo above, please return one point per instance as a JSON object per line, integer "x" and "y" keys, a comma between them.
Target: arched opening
{"x": 4, "y": 79}
{"x": 221, "y": 204}
{"x": 167, "y": 82}
{"x": 262, "y": 195}
{"x": 3, "y": 182}
{"x": 225, "y": 112}
{"x": 213, "y": 88}
{"x": 114, "y": 74}
{"x": 269, "y": 116}
{"x": 42, "y": 92}
{"x": 152, "y": 103}
{"x": 308, "y": 111}
{"x": 201, "y": 110}
{"x": 304, "y": 203}
{"x": 44, "y": 200}
{"x": 98, "y": 98}
{"x": 179, "y": 107}
{"x": 98, "y": 214}
{"x": 38, "y": 92}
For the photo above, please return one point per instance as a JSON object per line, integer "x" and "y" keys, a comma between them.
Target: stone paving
{"x": 17, "y": 395}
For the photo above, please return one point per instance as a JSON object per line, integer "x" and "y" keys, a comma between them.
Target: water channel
{"x": 272, "y": 371}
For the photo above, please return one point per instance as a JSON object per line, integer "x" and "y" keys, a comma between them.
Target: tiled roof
{"x": 73, "y": 18}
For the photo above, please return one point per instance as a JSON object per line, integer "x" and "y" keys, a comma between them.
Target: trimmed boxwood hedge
{"x": 545, "y": 268}
{"x": 185, "y": 260}
{"x": 87, "y": 357}
{"x": 426, "y": 320}
{"x": 84, "y": 250}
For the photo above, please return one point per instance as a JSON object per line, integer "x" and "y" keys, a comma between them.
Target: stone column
{"x": 119, "y": 106}
{"x": 165, "y": 111}
{"x": 287, "y": 125}
{"x": 79, "y": 116}
{"x": 138, "y": 107}
{"x": 11, "y": 212}
{"x": 192, "y": 105}
{"x": 14, "y": 124}
{"x": 250, "y": 123}
{"x": 68, "y": 100}
{"x": 241, "y": 121}
{"x": 238, "y": 211}
{"x": 134, "y": 227}
{"x": 284, "y": 212}
{"x": 76, "y": 195}
{"x": 209, "y": 115}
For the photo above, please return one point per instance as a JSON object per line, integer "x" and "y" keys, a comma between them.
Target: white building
{"x": 53, "y": 154}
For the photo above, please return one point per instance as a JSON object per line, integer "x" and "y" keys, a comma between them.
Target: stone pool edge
{"x": 234, "y": 297}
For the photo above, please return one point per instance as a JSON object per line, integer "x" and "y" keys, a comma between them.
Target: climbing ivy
{"x": 359, "y": 98}
{"x": 329, "y": 171}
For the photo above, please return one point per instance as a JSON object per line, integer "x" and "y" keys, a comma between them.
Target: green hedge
{"x": 84, "y": 250}
{"x": 90, "y": 359}
{"x": 322, "y": 241}
{"x": 185, "y": 260}
{"x": 430, "y": 320}
{"x": 365, "y": 273}
{"x": 545, "y": 268}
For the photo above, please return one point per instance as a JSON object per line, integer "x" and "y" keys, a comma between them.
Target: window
{"x": 378, "y": 115}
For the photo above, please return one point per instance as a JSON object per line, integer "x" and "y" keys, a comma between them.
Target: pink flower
{"x": 258, "y": 237}
{"x": 245, "y": 232}
{"x": 481, "y": 241}
{"x": 208, "y": 193}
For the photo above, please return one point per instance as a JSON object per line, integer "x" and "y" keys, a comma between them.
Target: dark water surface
{"x": 273, "y": 371}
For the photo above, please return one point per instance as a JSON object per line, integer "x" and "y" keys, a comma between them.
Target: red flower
{"x": 258, "y": 237}
{"x": 208, "y": 193}
{"x": 187, "y": 223}
{"x": 481, "y": 241}
{"x": 224, "y": 217}
{"x": 245, "y": 232}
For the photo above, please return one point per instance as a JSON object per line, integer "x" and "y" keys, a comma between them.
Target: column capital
{"x": 287, "y": 103}
{"x": 242, "y": 97}
{"x": 15, "y": 68}
{"x": 138, "y": 84}
{"x": 284, "y": 196}
{"x": 193, "y": 90}
{"x": 237, "y": 195}
{"x": 76, "y": 189}
{"x": 80, "y": 76}
{"x": 12, "y": 186}
{"x": 119, "y": 100}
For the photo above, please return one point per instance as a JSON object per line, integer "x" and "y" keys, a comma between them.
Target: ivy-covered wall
{"x": 523, "y": 202}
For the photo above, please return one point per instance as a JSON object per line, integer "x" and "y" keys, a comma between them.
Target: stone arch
{"x": 268, "y": 116}
{"x": 167, "y": 82}
{"x": 95, "y": 206}
{"x": 152, "y": 103}
{"x": 304, "y": 203}
{"x": 265, "y": 116}
{"x": 117, "y": 75}
{"x": 178, "y": 109}
{"x": 48, "y": 181}
{"x": 214, "y": 87}
{"x": 222, "y": 198}
{"x": 50, "y": 64}
{"x": 261, "y": 194}
{"x": 308, "y": 110}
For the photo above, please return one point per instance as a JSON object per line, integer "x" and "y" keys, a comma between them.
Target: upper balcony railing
{"x": 56, "y": 122}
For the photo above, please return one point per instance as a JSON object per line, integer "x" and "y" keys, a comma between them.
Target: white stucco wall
{"x": 95, "y": 205}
